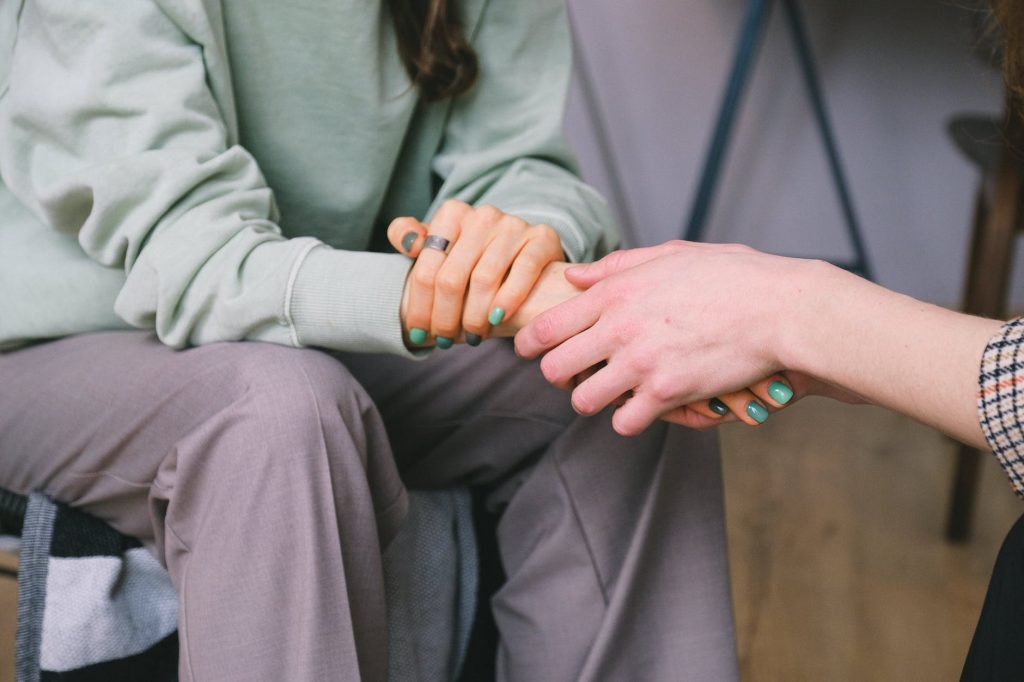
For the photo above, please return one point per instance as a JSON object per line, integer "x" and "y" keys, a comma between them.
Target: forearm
{"x": 912, "y": 357}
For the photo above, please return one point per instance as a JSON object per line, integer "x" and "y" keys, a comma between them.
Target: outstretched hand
{"x": 672, "y": 327}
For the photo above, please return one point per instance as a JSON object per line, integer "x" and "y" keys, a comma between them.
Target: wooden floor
{"x": 8, "y": 607}
{"x": 839, "y": 568}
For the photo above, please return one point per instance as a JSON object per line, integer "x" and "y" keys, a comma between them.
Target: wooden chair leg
{"x": 988, "y": 277}
{"x": 965, "y": 486}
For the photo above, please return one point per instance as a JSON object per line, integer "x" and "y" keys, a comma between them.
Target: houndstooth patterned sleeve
{"x": 1001, "y": 399}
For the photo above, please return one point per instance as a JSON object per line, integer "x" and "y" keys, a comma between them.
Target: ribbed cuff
{"x": 350, "y": 301}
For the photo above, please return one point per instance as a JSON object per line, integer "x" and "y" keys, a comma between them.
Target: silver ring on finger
{"x": 437, "y": 243}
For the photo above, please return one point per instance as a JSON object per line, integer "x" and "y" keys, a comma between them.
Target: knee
{"x": 303, "y": 383}
{"x": 292, "y": 395}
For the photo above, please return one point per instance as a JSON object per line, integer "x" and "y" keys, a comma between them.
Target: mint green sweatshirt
{"x": 225, "y": 170}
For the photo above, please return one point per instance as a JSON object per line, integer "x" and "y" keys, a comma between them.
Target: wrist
{"x": 812, "y": 302}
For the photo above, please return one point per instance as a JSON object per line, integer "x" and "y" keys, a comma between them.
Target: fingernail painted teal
{"x": 718, "y": 407}
{"x": 408, "y": 240}
{"x": 473, "y": 339}
{"x": 497, "y": 315}
{"x": 780, "y": 392}
{"x": 757, "y": 412}
{"x": 417, "y": 335}
{"x": 443, "y": 342}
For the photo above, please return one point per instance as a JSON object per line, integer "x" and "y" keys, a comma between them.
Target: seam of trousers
{"x": 185, "y": 655}
{"x": 324, "y": 450}
{"x": 112, "y": 477}
{"x": 582, "y": 530}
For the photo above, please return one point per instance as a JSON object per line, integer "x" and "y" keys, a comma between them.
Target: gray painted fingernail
{"x": 473, "y": 339}
{"x": 718, "y": 407}
{"x": 408, "y": 240}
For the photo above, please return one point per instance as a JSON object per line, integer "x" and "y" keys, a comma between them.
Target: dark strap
{"x": 12, "y": 511}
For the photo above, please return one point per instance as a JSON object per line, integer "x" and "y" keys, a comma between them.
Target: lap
{"x": 91, "y": 418}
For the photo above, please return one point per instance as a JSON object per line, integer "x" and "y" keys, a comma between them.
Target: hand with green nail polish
{"x": 492, "y": 263}
{"x": 551, "y": 289}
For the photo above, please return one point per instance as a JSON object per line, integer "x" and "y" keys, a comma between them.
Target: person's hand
{"x": 492, "y": 264}
{"x": 551, "y": 289}
{"x": 793, "y": 385}
{"x": 671, "y": 327}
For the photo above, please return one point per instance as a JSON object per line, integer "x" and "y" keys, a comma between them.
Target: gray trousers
{"x": 268, "y": 479}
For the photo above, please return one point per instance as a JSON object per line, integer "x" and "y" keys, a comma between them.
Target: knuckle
{"x": 663, "y": 388}
{"x": 624, "y": 333}
{"x": 484, "y": 278}
{"x": 550, "y": 240}
{"x": 454, "y": 205}
{"x": 639, "y": 363}
{"x": 451, "y": 210}
{"x": 451, "y": 283}
{"x": 488, "y": 214}
{"x": 614, "y": 259}
{"x": 549, "y": 367}
{"x": 512, "y": 225}
{"x": 543, "y": 329}
{"x": 423, "y": 277}
{"x": 542, "y": 231}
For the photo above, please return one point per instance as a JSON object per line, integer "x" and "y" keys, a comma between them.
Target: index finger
{"x": 559, "y": 323}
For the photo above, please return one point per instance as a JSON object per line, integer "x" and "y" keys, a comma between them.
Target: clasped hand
{"x": 634, "y": 339}
{"x": 684, "y": 332}
{"x": 498, "y": 273}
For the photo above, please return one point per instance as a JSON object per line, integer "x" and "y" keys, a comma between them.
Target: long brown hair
{"x": 433, "y": 47}
{"x": 1010, "y": 15}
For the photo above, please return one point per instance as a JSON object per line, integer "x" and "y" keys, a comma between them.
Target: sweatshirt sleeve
{"x": 1001, "y": 399}
{"x": 503, "y": 143}
{"x": 109, "y": 130}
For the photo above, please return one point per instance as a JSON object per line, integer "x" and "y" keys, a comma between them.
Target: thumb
{"x": 589, "y": 274}
{"x": 406, "y": 235}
